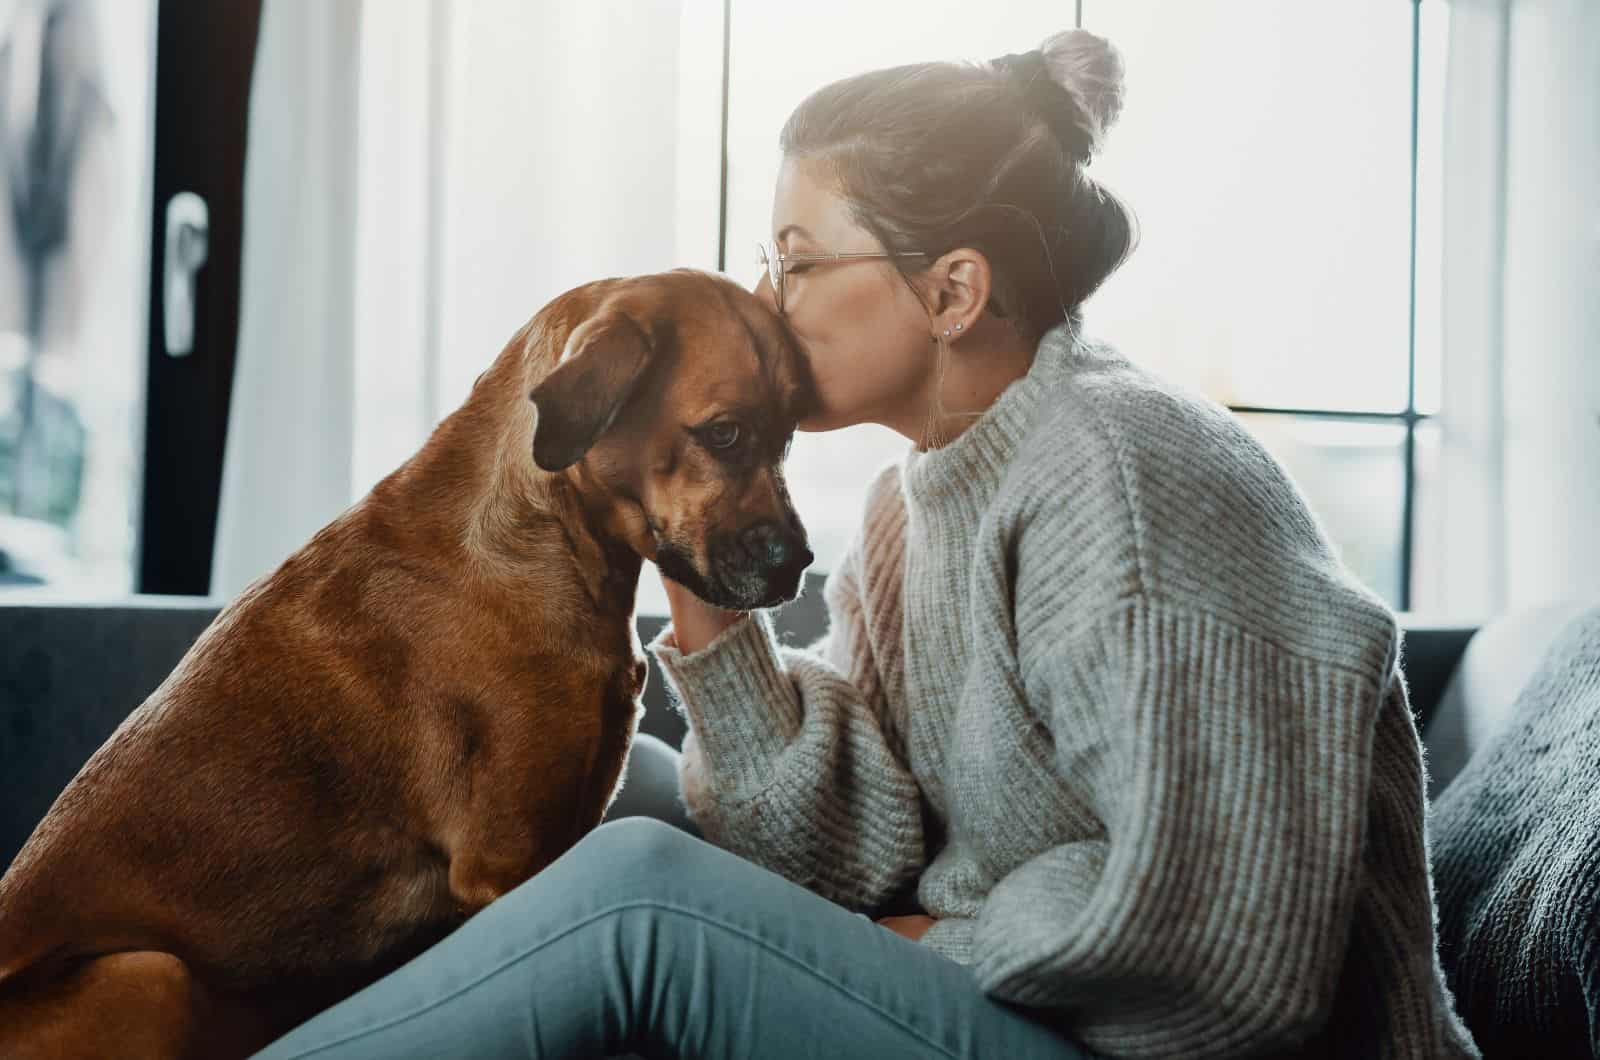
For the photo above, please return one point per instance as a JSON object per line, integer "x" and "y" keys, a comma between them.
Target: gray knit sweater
{"x": 1096, "y": 682}
{"x": 1518, "y": 857}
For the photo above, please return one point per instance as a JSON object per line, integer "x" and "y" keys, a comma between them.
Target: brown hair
{"x": 991, "y": 156}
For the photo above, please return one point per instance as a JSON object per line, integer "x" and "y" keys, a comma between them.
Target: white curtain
{"x": 1519, "y": 486}
{"x": 287, "y": 464}
{"x": 407, "y": 212}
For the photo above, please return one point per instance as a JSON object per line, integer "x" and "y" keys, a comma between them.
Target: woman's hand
{"x": 695, "y": 623}
{"x": 912, "y": 927}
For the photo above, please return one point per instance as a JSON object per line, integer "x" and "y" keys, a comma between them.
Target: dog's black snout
{"x": 774, "y": 546}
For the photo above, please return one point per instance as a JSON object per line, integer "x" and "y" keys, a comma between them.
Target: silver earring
{"x": 947, "y": 333}
{"x": 958, "y": 327}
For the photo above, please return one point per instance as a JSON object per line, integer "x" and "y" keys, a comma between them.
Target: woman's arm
{"x": 1212, "y": 917}
{"x": 695, "y": 623}
{"x": 786, "y": 762}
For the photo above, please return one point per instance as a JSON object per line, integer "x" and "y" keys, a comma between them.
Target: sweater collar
{"x": 976, "y": 459}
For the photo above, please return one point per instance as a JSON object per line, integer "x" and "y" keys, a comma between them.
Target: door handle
{"x": 188, "y": 230}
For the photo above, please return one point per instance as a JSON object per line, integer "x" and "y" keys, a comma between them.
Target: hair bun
{"x": 1090, "y": 69}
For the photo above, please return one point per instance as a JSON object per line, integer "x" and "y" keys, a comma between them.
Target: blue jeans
{"x": 644, "y": 938}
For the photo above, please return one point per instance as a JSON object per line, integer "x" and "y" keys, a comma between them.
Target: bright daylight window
{"x": 1280, "y": 159}
{"x": 75, "y": 140}
{"x": 1268, "y": 150}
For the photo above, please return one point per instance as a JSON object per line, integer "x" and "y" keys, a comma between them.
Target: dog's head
{"x": 677, "y": 395}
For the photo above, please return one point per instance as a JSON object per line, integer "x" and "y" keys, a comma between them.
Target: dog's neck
{"x": 512, "y": 516}
{"x": 596, "y": 533}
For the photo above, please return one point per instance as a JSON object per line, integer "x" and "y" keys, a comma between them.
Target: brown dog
{"x": 425, "y": 705}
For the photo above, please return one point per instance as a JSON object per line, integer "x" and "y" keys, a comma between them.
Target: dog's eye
{"x": 722, "y": 434}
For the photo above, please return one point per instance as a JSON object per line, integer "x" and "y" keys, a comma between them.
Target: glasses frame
{"x": 776, "y": 262}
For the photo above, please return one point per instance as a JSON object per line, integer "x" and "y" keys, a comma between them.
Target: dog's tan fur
{"x": 420, "y": 709}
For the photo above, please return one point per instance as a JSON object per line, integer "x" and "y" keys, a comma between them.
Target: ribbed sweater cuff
{"x": 951, "y": 938}
{"x": 741, "y": 705}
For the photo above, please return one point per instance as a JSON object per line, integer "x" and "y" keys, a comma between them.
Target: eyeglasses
{"x": 778, "y": 264}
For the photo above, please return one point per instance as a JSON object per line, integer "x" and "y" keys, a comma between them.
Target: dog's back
{"x": 424, "y": 706}
{"x": 270, "y": 814}
{"x": 234, "y": 815}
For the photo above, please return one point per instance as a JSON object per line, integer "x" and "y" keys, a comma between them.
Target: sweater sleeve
{"x": 786, "y": 762}
{"x": 1213, "y": 915}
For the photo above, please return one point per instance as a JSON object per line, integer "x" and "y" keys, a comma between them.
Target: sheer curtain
{"x": 1519, "y": 485}
{"x": 286, "y": 468}
{"x": 423, "y": 176}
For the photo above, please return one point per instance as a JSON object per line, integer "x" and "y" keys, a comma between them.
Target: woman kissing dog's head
{"x": 678, "y": 395}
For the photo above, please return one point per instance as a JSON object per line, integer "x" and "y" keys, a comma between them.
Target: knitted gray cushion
{"x": 1516, "y": 843}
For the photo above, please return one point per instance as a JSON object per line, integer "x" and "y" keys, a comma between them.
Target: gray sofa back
{"x": 69, "y": 674}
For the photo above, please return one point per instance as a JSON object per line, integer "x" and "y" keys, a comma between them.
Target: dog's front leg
{"x": 507, "y": 842}
{"x": 527, "y": 807}
{"x": 479, "y": 877}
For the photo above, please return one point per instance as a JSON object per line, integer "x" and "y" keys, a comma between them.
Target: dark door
{"x": 205, "y": 53}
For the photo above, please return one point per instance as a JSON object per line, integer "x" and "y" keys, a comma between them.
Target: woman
{"x": 1098, "y": 704}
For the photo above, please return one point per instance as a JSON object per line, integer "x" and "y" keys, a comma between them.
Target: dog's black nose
{"x": 772, "y": 546}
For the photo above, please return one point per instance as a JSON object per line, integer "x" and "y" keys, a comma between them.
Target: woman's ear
{"x": 961, "y": 281}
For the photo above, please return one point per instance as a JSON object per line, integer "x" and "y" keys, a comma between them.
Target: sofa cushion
{"x": 1478, "y": 699}
{"x": 69, "y": 674}
{"x": 1516, "y": 848}
{"x": 1429, "y": 655}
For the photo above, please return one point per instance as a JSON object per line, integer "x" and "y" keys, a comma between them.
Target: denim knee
{"x": 633, "y": 849}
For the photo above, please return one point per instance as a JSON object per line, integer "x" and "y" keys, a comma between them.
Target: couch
{"x": 69, "y": 673}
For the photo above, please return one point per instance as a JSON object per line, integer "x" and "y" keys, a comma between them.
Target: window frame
{"x": 1410, "y": 417}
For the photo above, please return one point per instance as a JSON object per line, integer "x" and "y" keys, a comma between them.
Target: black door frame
{"x": 205, "y": 54}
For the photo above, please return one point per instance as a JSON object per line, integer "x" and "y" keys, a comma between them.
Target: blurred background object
{"x": 58, "y": 159}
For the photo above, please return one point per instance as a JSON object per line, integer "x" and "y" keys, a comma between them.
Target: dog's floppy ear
{"x": 604, "y": 359}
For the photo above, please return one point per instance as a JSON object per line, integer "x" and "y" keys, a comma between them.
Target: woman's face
{"x": 863, "y": 330}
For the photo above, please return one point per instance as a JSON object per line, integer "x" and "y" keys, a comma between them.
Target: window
{"x": 75, "y": 244}
{"x": 1275, "y": 275}
{"x": 1274, "y": 155}
{"x": 1281, "y": 159}
{"x": 122, "y": 125}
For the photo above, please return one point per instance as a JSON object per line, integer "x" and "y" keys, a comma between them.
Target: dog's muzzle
{"x": 761, "y": 564}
